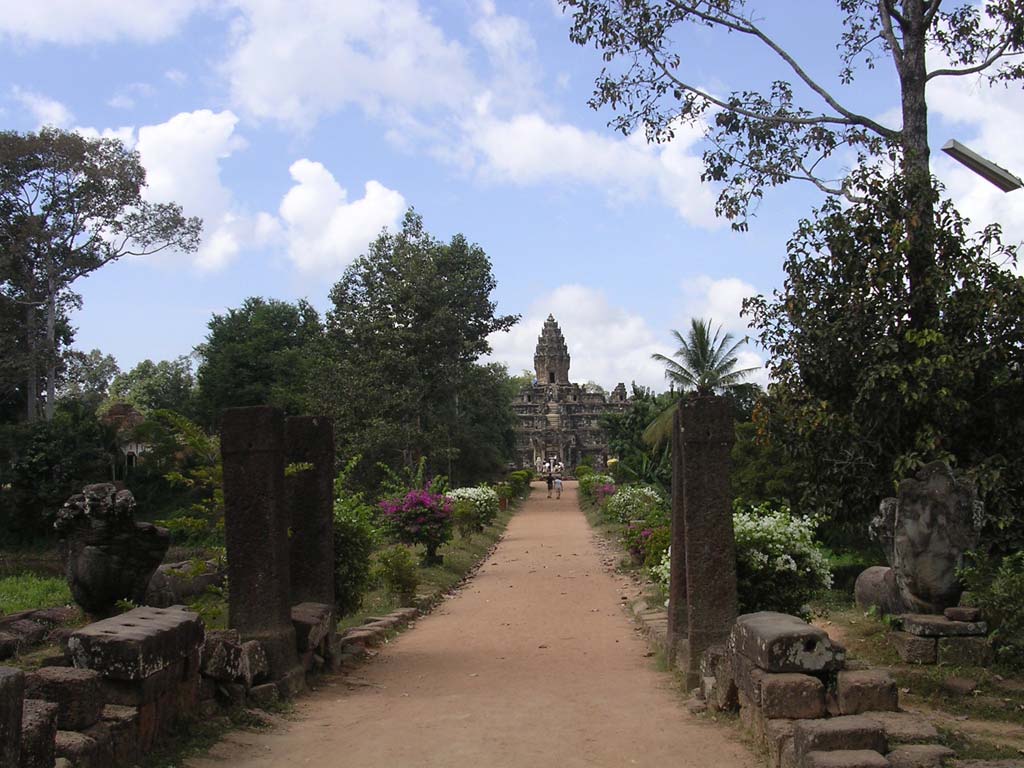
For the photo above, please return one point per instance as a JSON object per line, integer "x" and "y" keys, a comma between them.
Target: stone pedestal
{"x": 310, "y": 495}
{"x": 676, "y": 635}
{"x": 256, "y": 532}
{"x": 12, "y": 693}
{"x": 706, "y": 436}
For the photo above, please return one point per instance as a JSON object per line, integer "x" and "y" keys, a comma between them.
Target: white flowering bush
{"x": 779, "y": 565}
{"x": 484, "y": 501}
{"x": 637, "y": 502}
{"x": 588, "y": 484}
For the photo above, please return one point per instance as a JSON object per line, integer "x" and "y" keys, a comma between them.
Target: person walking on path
{"x": 558, "y": 487}
{"x": 551, "y": 483}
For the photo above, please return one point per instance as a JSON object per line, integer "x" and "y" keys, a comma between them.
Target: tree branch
{"x": 997, "y": 54}
{"x": 889, "y": 34}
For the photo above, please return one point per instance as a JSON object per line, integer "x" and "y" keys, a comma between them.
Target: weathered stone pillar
{"x": 676, "y": 638}
{"x": 310, "y": 493}
{"x": 12, "y": 694}
{"x": 256, "y": 532}
{"x": 707, "y": 436}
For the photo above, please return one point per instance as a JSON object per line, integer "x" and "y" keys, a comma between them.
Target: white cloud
{"x": 529, "y": 150}
{"x": 987, "y": 121}
{"x": 44, "y": 110}
{"x": 325, "y": 231}
{"x": 292, "y": 62}
{"x": 183, "y": 159}
{"x": 607, "y": 343}
{"x": 176, "y": 76}
{"x": 91, "y": 21}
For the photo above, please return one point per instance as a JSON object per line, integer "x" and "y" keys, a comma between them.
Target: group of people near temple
{"x": 553, "y": 475}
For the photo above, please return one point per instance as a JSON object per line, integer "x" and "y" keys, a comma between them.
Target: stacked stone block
{"x": 801, "y": 700}
{"x": 957, "y": 638}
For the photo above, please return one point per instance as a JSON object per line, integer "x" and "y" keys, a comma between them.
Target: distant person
{"x": 558, "y": 487}
{"x": 551, "y": 483}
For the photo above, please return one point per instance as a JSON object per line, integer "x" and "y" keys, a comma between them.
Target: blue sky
{"x": 298, "y": 129}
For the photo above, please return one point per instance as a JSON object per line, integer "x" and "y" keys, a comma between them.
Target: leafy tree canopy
{"x": 166, "y": 385}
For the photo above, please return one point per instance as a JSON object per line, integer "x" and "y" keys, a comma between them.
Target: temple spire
{"x": 551, "y": 360}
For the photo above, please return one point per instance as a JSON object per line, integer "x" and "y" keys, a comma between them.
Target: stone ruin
{"x": 109, "y": 557}
{"x": 123, "y": 682}
{"x": 925, "y": 532}
{"x": 806, "y": 705}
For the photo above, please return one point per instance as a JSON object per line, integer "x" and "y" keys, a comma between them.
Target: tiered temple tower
{"x": 559, "y": 419}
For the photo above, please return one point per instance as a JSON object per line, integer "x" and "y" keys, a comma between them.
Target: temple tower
{"x": 551, "y": 360}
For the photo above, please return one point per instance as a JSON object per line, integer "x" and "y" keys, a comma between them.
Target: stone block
{"x": 920, "y": 756}
{"x": 138, "y": 643}
{"x": 792, "y": 695}
{"x": 777, "y": 642}
{"x": 255, "y": 667}
{"x": 264, "y": 695}
{"x": 12, "y": 694}
{"x": 38, "y": 732}
{"x": 135, "y": 693}
{"x": 292, "y": 683}
{"x": 869, "y": 690}
{"x": 313, "y": 623}
{"x": 103, "y": 754}
{"x": 222, "y": 655}
{"x": 27, "y": 631}
{"x": 746, "y": 676}
{"x": 928, "y": 625}
{"x": 876, "y": 588}
{"x": 845, "y": 758}
{"x": 913, "y": 649}
{"x": 965, "y": 651}
{"x": 903, "y": 727}
{"x": 232, "y": 694}
{"x": 717, "y": 665}
{"x": 56, "y": 616}
{"x": 777, "y": 736}
{"x": 80, "y": 750}
{"x": 962, "y": 613}
{"x": 9, "y": 645}
{"x": 847, "y": 732}
{"x": 123, "y": 725}
{"x": 76, "y": 692}
{"x": 959, "y": 686}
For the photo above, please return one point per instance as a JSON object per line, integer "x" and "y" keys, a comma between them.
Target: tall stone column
{"x": 677, "y": 628}
{"x": 707, "y": 435}
{"x": 310, "y": 493}
{"x": 12, "y": 694}
{"x": 256, "y": 532}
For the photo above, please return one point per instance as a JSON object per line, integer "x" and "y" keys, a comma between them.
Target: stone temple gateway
{"x": 559, "y": 419}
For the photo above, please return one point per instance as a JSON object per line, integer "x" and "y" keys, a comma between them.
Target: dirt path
{"x": 533, "y": 664}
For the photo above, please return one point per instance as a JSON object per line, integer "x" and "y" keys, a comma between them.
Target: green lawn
{"x": 26, "y": 591}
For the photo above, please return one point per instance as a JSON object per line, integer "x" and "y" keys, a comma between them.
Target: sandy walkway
{"x": 533, "y": 664}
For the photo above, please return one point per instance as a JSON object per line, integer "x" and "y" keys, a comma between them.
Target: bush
{"x": 466, "y": 518}
{"x": 504, "y": 491}
{"x": 996, "y": 587}
{"x": 657, "y": 545}
{"x": 420, "y": 517}
{"x": 356, "y": 535}
{"x": 395, "y": 570}
{"x": 632, "y": 503}
{"x": 589, "y": 483}
{"x": 583, "y": 471}
{"x": 484, "y": 501}
{"x": 646, "y": 544}
{"x": 520, "y": 481}
{"x": 779, "y": 565}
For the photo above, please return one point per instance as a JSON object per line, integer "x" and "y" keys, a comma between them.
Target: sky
{"x": 299, "y": 129}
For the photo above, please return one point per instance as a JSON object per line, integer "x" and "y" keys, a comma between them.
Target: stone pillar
{"x": 676, "y": 639}
{"x": 310, "y": 440}
{"x": 256, "y": 533}
{"x": 707, "y": 436}
{"x": 12, "y": 694}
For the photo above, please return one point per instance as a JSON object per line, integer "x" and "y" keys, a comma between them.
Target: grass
{"x": 27, "y": 591}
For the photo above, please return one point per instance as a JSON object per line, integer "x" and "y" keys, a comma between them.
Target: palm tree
{"x": 705, "y": 364}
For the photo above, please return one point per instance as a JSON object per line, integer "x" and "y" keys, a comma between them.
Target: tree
{"x": 410, "y": 318}
{"x": 166, "y": 385}
{"x": 259, "y": 354}
{"x": 87, "y": 376}
{"x": 760, "y": 139}
{"x": 704, "y": 364}
{"x": 70, "y": 205}
{"x": 860, "y": 397}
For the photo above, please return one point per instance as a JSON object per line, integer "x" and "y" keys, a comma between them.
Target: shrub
{"x": 504, "y": 491}
{"x": 657, "y": 545}
{"x": 395, "y": 570}
{"x": 465, "y": 518}
{"x": 483, "y": 499}
{"x": 356, "y": 534}
{"x": 603, "y": 493}
{"x": 779, "y": 565}
{"x": 631, "y": 503}
{"x": 420, "y": 517}
{"x": 646, "y": 544}
{"x": 520, "y": 481}
{"x": 589, "y": 483}
{"x": 583, "y": 471}
{"x": 996, "y": 587}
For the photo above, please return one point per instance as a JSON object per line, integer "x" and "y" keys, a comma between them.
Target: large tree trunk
{"x": 32, "y": 375}
{"x": 51, "y": 344}
{"x": 920, "y": 210}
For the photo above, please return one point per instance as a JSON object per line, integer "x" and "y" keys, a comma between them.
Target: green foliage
{"x": 589, "y": 484}
{"x": 395, "y": 569}
{"x": 87, "y": 377}
{"x": 761, "y": 469}
{"x": 473, "y": 509}
{"x": 862, "y": 397}
{"x": 167, "y": 385}
{"x": 409, "y": 479}
{"x": 262, "y": 353}
{"x": 583, "y": 470}
{"x": 397, "y": 370}
{"x": 466, "y": 518}
{"x": 27, "y": 591}
{"x": 43, "y": 463}
{"x": 520, "y": 481}
{"x": 356, "y": 536}
{"x": 419, "y": 517}
{"x": 779, "y": 565}
{"x": 996, "y": 586}
{"x": 637, "y": 503}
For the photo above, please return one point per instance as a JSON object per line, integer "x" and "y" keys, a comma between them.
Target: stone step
{"x": 920, "y": 756}
{"x": 845, "y": 758}
{"x": 843, "y": 733}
